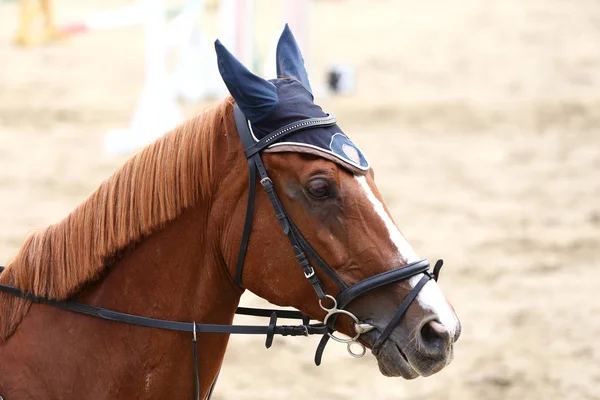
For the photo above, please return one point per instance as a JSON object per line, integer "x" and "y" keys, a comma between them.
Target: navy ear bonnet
{"x": 271, "y": 104}
{"x": 329, "y": 142}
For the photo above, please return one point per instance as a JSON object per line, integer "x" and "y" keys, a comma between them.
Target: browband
{"x": 286, "y": 130}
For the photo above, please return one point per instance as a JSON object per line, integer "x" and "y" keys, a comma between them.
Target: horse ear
{"x": 255, "y": 96}
{"x": 289, "y": 59}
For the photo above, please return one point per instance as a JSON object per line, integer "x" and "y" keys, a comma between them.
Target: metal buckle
{"x": 264, "y": 180}
{"x": 310, "y": 273}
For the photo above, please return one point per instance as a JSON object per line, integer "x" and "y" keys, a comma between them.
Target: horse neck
{"x": 174, "y": 274}
{"x": 177, "y": 273}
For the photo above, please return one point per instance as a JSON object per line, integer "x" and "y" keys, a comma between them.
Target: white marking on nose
{"x": 404, "y": 248}
{"x": 430, "y": 296}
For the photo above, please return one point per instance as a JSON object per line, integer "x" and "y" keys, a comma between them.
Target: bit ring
{"x": 348, "y": 313}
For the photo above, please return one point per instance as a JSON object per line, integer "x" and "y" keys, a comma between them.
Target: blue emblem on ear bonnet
{"x": 345, "y": 149}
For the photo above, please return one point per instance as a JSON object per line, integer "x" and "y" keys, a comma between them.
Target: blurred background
{"x": 481, "y": 119}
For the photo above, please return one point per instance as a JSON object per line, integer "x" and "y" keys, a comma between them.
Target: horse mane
{"x": 151, "y": 189}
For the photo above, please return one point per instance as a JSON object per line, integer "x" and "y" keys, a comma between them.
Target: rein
{"x": 302, "y": 250}
{"x": 191, "y": 327}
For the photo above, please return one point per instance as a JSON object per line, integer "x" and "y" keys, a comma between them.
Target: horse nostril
{"x": 435, "y": 338}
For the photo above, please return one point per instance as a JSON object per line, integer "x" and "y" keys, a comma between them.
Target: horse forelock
{"x": 151, "y": 189}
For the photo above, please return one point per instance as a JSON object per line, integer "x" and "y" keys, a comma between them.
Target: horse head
{"x": 177, "y": 233}
{"x": 327, "y": 190}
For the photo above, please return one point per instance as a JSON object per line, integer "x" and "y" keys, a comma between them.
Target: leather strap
{"x": 436, "y": 269}
{"x": 196, "y": 373}
{"x": 267, "y": 312}
{"x": 111, "y": 315}
{"x": 270, "y": 331}
{"x": 373, "y": 282}
{"x": 400, "y": 313}
{"x": 252, "y": 148}
{"x": 255, "y": 164}
{"x": 285, "y": 222}
{"x": 212, "y": 387}
{"x": 312, "y": 253}
{"x": 239, "y": 268}
{"x": 394, "y": 275}
{"x": 320, "y": 349}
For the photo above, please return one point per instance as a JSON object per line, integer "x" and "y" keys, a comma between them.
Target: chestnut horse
{"x": 161, "y": 239}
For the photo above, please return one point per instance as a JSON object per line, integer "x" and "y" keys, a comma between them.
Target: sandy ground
{"x": 482, "y": 119}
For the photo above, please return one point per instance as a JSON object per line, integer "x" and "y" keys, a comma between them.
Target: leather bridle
{"x": 301, "y": 247}
{"x": 302, "y": 250}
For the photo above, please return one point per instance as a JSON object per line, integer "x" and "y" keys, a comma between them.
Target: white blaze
{"x": 431, "y": 295}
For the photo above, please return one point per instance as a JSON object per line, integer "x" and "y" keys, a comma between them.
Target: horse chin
{"x": 402, "y": 360}
{"x": 393, "y": 362}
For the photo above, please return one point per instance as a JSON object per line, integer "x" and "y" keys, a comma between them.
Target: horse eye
{"x": 319, "y": 189}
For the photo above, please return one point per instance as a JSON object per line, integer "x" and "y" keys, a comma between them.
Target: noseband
{"x": 301, "y": 248}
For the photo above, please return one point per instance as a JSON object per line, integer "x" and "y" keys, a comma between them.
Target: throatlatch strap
{"x": 239, "y": 268}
